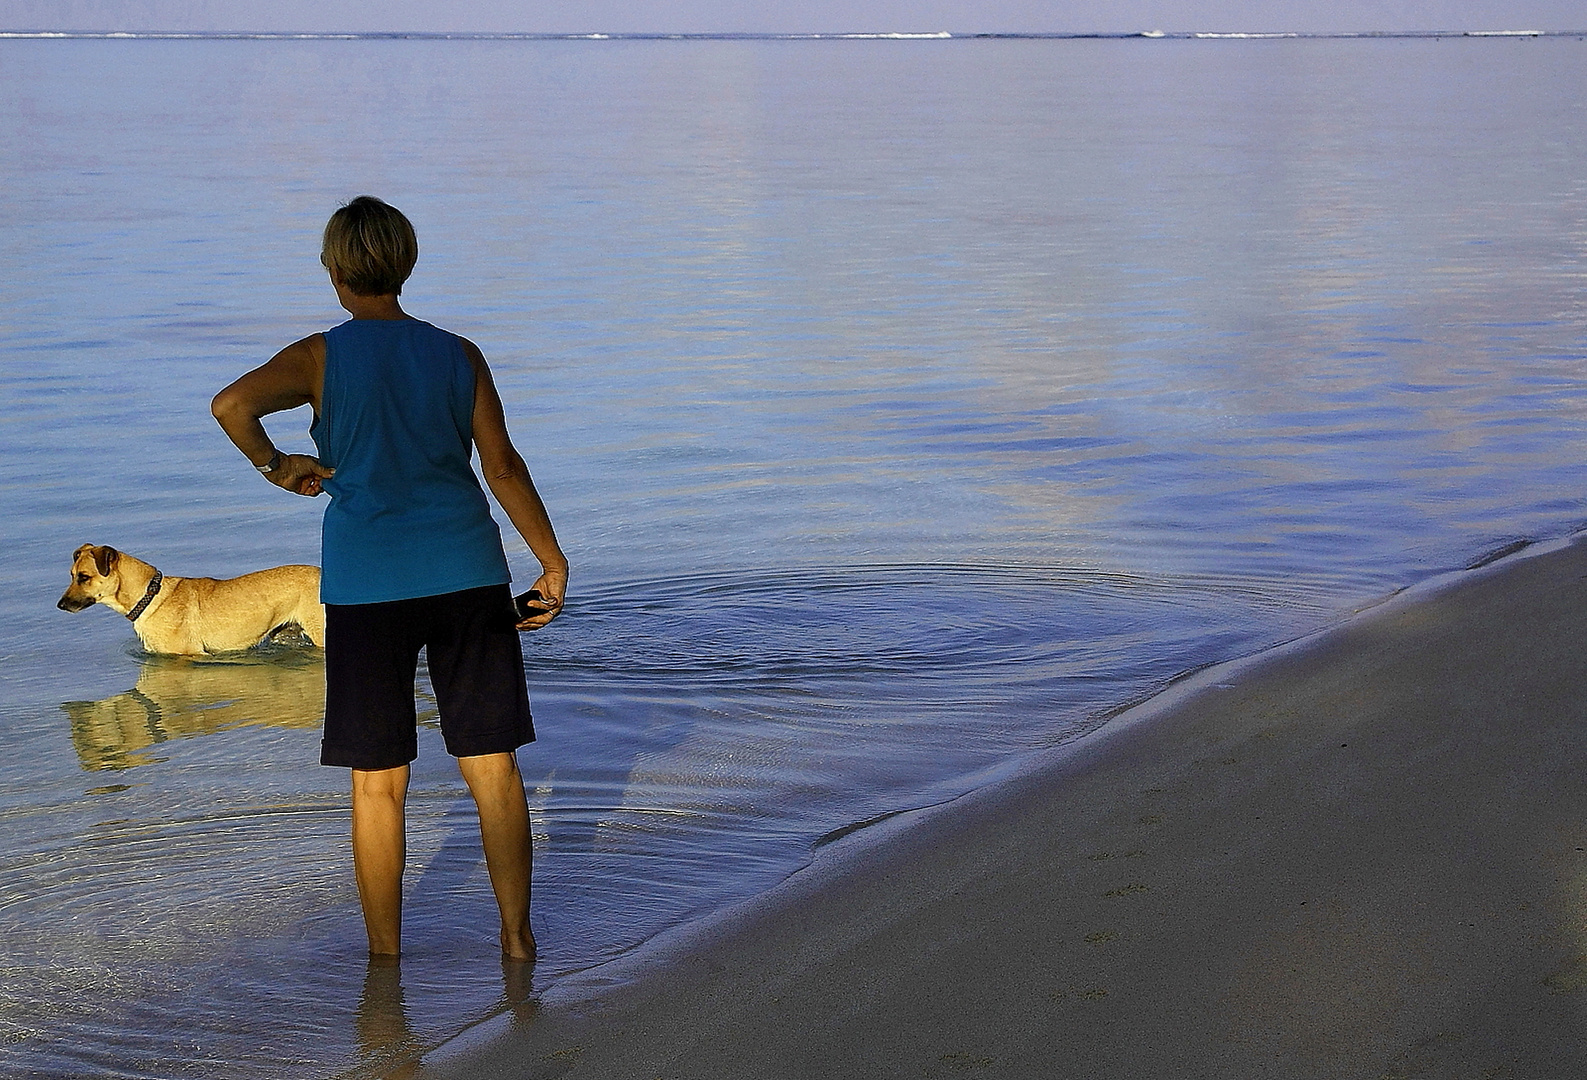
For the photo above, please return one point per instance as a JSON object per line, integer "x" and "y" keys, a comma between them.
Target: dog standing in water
{"x": 191, "y": 616}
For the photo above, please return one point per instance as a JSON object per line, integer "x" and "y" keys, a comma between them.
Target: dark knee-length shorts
{"x": 476, "y": 667}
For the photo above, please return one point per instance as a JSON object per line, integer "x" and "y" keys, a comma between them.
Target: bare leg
{"x": 497, "y": 787}
{"x": 380, "y": 849}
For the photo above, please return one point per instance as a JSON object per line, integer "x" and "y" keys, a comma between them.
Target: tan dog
{"x": 196, "y": 615}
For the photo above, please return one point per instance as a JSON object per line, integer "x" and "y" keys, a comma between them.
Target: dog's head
{"x": 94, "y": 577}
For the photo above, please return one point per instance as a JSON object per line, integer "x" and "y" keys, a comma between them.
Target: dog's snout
{"x": 72, "y": 603}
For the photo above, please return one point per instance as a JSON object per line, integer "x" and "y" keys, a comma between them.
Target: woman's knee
{"x": 381, "y": 783}
{"x": 488, "y": 767}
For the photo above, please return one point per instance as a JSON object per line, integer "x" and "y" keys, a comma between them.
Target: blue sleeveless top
{"x": 407, "y": 516}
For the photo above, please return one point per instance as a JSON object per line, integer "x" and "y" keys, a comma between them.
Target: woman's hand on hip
{"x": 300, "y": 474}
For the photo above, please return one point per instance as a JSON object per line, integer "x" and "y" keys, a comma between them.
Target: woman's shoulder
{"x": 435, "y": 335}
{"x": 392, "y": 330}
{"x": 409, "y": 325}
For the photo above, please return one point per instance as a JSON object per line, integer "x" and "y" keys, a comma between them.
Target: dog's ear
{"x": 105, "y": 560}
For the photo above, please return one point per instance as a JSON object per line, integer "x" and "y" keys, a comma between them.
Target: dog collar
{"x": 149, "y": 594}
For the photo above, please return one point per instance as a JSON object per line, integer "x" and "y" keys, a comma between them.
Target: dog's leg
{"x": 311, "y": 617}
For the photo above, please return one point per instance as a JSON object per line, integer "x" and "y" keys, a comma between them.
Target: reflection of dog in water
{"x": 196, "y": 615}
{"x": 177, "y": 698}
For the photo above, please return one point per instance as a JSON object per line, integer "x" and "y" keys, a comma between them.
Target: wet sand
{"x": 1360, "y": 855}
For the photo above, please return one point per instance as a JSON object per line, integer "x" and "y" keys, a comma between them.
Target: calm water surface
{"x": 904, "y": 407}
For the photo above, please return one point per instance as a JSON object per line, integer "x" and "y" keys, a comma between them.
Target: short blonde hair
{"x": 371, "y": 246}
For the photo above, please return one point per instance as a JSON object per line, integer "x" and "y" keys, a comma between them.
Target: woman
{"x": 410, "y": 558}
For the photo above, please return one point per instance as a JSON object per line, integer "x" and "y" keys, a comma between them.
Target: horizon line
{"x": 940, "y": 35}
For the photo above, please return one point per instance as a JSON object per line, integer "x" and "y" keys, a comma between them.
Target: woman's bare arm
{"x": 293, "y": 377}
{"x": 509, "y": 480}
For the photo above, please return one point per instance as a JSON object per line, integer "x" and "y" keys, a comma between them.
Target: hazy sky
{"x": 574, "y": 16}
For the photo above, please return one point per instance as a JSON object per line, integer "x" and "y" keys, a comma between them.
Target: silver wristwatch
{"x": 272, "y": 465}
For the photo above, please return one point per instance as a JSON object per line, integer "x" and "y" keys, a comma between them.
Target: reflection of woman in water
{"x": 411, "y": 558}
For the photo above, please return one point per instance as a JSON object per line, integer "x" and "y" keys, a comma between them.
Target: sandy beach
{"x": 1360, "y": 855}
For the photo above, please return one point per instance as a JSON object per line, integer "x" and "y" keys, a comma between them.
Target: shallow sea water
{"x": 904, "y": 407}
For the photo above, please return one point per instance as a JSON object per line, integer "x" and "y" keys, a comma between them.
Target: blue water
{"x": 903, "y": 406}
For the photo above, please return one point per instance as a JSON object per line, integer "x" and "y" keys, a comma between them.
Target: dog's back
{"x": 228, "y": 614}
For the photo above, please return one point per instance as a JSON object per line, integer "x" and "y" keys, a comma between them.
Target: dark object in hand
{"x": 530, "y": 604}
